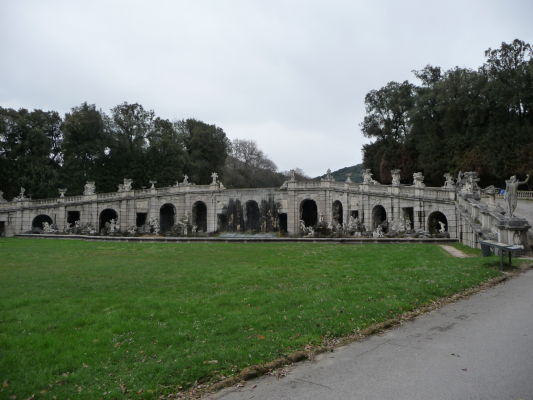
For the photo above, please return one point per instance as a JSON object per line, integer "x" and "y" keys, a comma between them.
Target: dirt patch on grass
{"x": 454, "y": 251}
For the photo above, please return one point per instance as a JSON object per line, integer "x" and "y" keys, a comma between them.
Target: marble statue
{"x": 328, "y": 177}
{"x": 185, "y": 180}
{"x": 511, "y": 196}
{"x": 378, "y": 233}
{"x": 89, "y": 188}
{"x": 113, "y": 226}
{"x": 468, "y": 183}
{"x": 348, "y": 177}
{"x": 214, "y": 177}
{"x": 395, "y": 177}
{"x": 367, "y": 178}
{"x": 127, "y": 184}
{"x": 449, "y": 183}
{"x": 306, "y": 230}
{"x": 442, "y": 228}
{"x": 418, "y": 180}
{"x": 293, "y": 176}
{"x": 62, "y": 192}
{"x": 2, "y": 200}
{"x": 183, "y": 222}
{"x": 152, "y": 184}
{"x": 48, "y": 228}
{"x": 21, "y": 196}
{"x": 154, "y": 224}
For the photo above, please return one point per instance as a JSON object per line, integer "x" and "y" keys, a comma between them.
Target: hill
{"x": 355, "y": 171}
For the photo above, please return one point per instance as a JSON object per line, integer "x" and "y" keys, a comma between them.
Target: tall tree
{"x": 207, "y": 148}
{"x": 129, "y": 126}
{"x": 388, "y": 120}
{"x": 166, "y": 157}
{"x": 31, "y": 143}
{"x": 84, "y": 147}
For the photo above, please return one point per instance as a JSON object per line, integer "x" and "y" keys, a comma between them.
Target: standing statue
{"x": 511, "y": 187}
{"x": 185, "y": 179}
{"x": 460, "y": 178}
{"x": 293, "y": 176}
{"x": 2, "y": 200}
{"x": 395, "y": 177}
{"x": 214, "y": 177}
{"x": 328, "y": 177}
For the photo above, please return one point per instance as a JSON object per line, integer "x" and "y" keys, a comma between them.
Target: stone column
{"x": 61, "y": 215}
{"x": 211, "y": 214}
{"x": 293, "y": 210}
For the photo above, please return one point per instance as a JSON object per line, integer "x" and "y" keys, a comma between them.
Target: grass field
{"x": 131, "y": 320}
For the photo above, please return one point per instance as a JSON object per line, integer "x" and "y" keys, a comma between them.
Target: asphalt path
{"x": 477, "y": 348}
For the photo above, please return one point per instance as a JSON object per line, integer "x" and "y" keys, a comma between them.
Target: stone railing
{"x": 484, "y": 221}
{"x": 44, "y": 202}
{"x": 520, "y": 194}
{"x": 73, "y": 199}
{"x": 108, "y": 196}
{"x": 303, "y": 185}
{"x": 525, "y": 194}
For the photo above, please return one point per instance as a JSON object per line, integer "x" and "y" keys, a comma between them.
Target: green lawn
{"x": 97, "y": 319}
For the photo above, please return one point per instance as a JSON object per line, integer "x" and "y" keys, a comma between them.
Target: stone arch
{"x": 435, "y": 219}
{"x": 167, "y": 217}
{"x": 107, "y": 215}
{"x": 199, "y": 216}
{"x": 253, "y": 216}
{"x": 39, "y": 220}
{"x": 379, "y": 216}
{"x": 309, "y": 212}
{"x": 337, "y": 212}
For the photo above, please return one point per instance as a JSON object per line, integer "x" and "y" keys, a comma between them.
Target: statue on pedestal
{"x": 214, "y": 177}
{"x": 89, "y": 188}
{"x": 418, "y": 180}
{"x": 511, "y": 196}
{"x": 449, "y": 183}
{"x": 367, "y": 177}
{"x": 395, "y": 177}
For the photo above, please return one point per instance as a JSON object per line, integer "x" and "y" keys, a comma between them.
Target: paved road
{"x": 477, "y": 348}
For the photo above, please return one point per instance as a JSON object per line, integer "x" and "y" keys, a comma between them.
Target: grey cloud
{"x": 290, "y": 74}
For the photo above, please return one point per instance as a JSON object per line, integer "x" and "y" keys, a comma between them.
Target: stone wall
{"x": 463, "y": 217}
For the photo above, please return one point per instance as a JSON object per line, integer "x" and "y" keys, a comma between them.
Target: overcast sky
{"x": 291, "y": 75}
